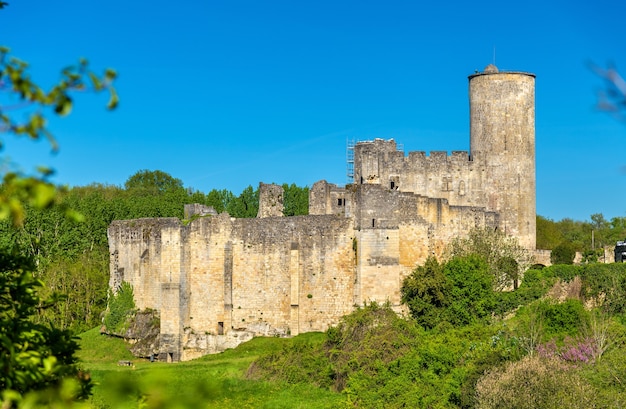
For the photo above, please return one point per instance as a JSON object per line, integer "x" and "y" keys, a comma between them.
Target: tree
{"x": 548, "y": 234}
{"x": 153, "y": 182}
{"x": 508, "y": 266}
{"x": 600, "y": 230}
{"x": 219, "y": 199}
{"x": 17, "y": 189}
{"x": 296, "y": 200}
{"x": 459, "y": 292}
{"x": 564, "y": 253}
{"x": 246, "y": 204}
{"x": 34, "y": 356}
{"x": 472, "y": 298}
{"x": 426, "y": 291}
{"x": 493, "y": 246}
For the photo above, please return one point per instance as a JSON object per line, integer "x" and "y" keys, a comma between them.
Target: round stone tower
{"x": 502, "y": 142}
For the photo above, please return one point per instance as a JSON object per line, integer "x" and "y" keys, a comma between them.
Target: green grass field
{"x": 213, "y": 381}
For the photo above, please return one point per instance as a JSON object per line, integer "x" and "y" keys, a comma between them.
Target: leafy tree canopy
{"x": 153, "y": 182}
{"x": 564, "y": 253}
{"x": 493, "y": 246}
{"x": 458, "y": 292}
{"x": 27, "y": 118}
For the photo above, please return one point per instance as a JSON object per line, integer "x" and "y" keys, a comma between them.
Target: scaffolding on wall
{"x": 350, "y": 161}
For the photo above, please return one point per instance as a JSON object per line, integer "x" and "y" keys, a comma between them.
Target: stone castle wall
{"x": 217, "y": 276}
{"x": 269, "y": 276}
{"x": 218, "y": 281}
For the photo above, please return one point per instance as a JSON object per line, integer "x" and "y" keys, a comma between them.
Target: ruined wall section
{"x": 198, "y": 210}
{"x": 136, "y": 256}
{"x": 209, "y": 267}
{"x": 271, "y": 198}
{"x": 148, "y": 253}
{"x": 328, "y": 198}
{"x": 396, "y": 231}
{"x": 292, "y": 274}
{"x": 220, "y": 275}
{"x": 455, "y": 177}
{"x": 371, "y": 161}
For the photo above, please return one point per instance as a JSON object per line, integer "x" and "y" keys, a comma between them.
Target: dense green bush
{"x": 563, "y": 253}
{"x": 121, "y": 306}
{"x": 567, "y": 318}
{"x": 379, "y": 359}
{"x": 536, "y": 284}
{"x": 605, "y": 283}
{"x": 459, "y": 292}
{"x": 472, "y": 298}
{"x": 426, "y": 291}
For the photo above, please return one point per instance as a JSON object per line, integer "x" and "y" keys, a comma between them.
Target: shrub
{"x": 606, "y": 283}
{"x": 565, "y": 272}
{"x": 426, "y": 291}
{"x": 573, "y": 350}
{"x": 564, "y": 253}
{"x": 472, "y": 298}
{"x": 561, "y": 319}
{"x": 121, "y": 306}
{"x": 534, "y": 382}
{"x": 536, "y": 283}
{"x": 459, "y": 292}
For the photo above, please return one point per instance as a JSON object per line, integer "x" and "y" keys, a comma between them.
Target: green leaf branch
{"x": 27, "y": 117}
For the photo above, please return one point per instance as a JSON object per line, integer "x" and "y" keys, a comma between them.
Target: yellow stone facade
{"x": 219, "y": 281}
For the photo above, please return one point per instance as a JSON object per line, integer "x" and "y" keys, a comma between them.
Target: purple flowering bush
{"x": 574, "y": 350}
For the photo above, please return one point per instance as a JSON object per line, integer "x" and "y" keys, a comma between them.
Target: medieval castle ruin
{"x": 217, "y": 281}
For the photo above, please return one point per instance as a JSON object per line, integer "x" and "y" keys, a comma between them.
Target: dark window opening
{"x": 220, "y": 328}
{"x": 373, "y": 222}
{"x": 341, "y": 202}
{"x": 393, "y": 184}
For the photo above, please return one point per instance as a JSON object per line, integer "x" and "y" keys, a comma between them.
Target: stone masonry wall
{"x": 266, "y": 276}
{"x": 218, "y": 281}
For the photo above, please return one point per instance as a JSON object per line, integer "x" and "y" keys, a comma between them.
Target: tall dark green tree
{"x": 426, "y": 291}
{"x": 296, "y": 200}
{"x": 459, "y": 292}
{"x": 219, "y": 199}
{"x": 245, "y": 205}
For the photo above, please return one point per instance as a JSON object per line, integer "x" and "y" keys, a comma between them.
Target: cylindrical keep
{"x": 502, "y": 139}
{"x": 502, "y": 113}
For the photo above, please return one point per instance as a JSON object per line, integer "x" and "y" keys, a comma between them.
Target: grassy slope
{"x": 213, "y": 380}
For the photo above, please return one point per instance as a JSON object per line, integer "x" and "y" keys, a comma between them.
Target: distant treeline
{"x": 587, "y": 237}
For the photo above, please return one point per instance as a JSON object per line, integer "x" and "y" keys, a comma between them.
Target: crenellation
{"x": 218, "y": 281}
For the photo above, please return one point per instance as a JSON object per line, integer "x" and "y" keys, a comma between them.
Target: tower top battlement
{"x": 492, "y": 69}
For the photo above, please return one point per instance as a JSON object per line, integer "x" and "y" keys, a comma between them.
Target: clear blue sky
{"x": 225, "y": 94}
